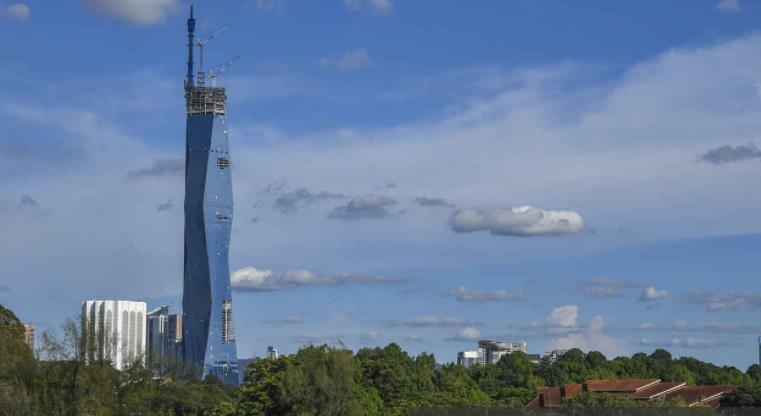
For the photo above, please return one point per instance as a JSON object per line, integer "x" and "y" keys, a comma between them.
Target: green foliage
{"x": 318, "y": 380}
{"x": 748, "y": 396}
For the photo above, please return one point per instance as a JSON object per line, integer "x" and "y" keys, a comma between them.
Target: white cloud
{"x": 380, "y": 7}
{"x": 468, "y": 295}
{"x": 522, "y": 221}
{"x": 605, "y": 287}
{"x": 435, "y": 321}
{"x": 723, "y": 301}
{"x": 651, "y": 293}
{"x": 692, "y": 343}
{"x": 253, "y": 279}
{"x": 139, "y": 12}
{"x": 593, "y": 339}
{"x": 18, "y": 11}
{"x": 565, "y": 316}
{"x": 466, "y": 334}
{"x": 729, "y": 6}
{"x": 712, "y": 328}
{"x": 350, "y": 61}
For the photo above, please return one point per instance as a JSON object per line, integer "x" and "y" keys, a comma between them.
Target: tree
{"x": 321, "y": 382}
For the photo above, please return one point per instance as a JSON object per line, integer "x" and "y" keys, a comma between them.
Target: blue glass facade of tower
{"x": 209, "y": 340}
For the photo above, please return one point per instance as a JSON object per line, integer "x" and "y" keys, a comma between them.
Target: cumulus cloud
{"x": 605, "y": 287}
{"x": 729, "y": 154}
{"x": 257, "y": 280}
{"x": 425, "y": 201}
{"x": 729, "y": 6}
{"x": 464, "y": 294}
{"x": 350, "y": 61}
{"x": 289, "y": 202}
{"x": 522, "y": 221}
{"x": 18, "y": 11}
{"x": 650, "y": 293}
{"x": 138, "y": 12}
{"x": 564, "y": 316}
{"x": 166, "y": 206}
{"x": 364, "y": 207}
{"x": 466, "y": 334}
{"x": 380, "y": 7}
{"x": 593, "y": 339}
{"x": 723, "y": 301}
{"x": 693, "y": 343}
{"x": 159, "y": 167}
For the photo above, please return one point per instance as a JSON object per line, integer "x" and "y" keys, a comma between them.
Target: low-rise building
{"x": 491, "y": 351}
{"x": 29, "y": 335}
{"x": 645, "y": 390}
{"x": 272, "y": 353}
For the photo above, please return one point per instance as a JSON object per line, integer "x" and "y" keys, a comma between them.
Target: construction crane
{"x": 201, "y": 44}
{"x": 213, "y": 73}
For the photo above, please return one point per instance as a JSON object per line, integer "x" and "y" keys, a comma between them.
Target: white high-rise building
{"x": 468, "y": 358}
{"x": 114, "y": 330}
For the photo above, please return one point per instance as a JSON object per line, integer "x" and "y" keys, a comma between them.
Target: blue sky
{"x": 384, "y": 155}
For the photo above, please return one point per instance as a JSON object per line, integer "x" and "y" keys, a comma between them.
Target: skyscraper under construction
{"x": 209, "y": 342}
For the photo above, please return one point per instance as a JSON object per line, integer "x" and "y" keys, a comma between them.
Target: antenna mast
{"x": 191, "y": 30}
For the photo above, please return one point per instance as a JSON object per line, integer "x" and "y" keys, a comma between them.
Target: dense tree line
{"x": 320, "y": 380}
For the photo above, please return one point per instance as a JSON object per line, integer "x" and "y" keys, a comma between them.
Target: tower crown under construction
{"x": 209, "y": 340}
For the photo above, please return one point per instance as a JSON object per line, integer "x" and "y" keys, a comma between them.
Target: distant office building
{"x": 164, "y": 338}
{"x": 491, "y": 351}
{"x": 29, "y": 335}
{"x": 158, "y": 323}
{"x": 553, "y": 355}
{"x": 272, "y": 353}
{"x": 468, "y": 359}
{"x": 174, "y": 336}
{"x": 114, "y": 330}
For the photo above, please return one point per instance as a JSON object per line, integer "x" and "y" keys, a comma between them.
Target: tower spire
{"x": 191, "y": 30}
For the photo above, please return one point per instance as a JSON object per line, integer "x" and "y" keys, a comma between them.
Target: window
{"x": 227, "y": 321}
{"x": 223, "y": 162}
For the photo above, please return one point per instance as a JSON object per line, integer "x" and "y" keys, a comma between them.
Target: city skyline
{"x": 414, "y": 174}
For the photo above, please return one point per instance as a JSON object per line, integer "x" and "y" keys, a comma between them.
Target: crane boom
{"x": 201, "y": 44}
{"x": 214, "y": 73}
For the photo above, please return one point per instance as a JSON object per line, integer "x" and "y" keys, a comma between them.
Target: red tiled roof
{"x": 656, "y": 390}
{"x": 619, "y": 386}
{"x": 533, "y": 404}
{"x": 694, "y": 395}
{"x": 570, "y": 390}
{"x": 550, "y": 396}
